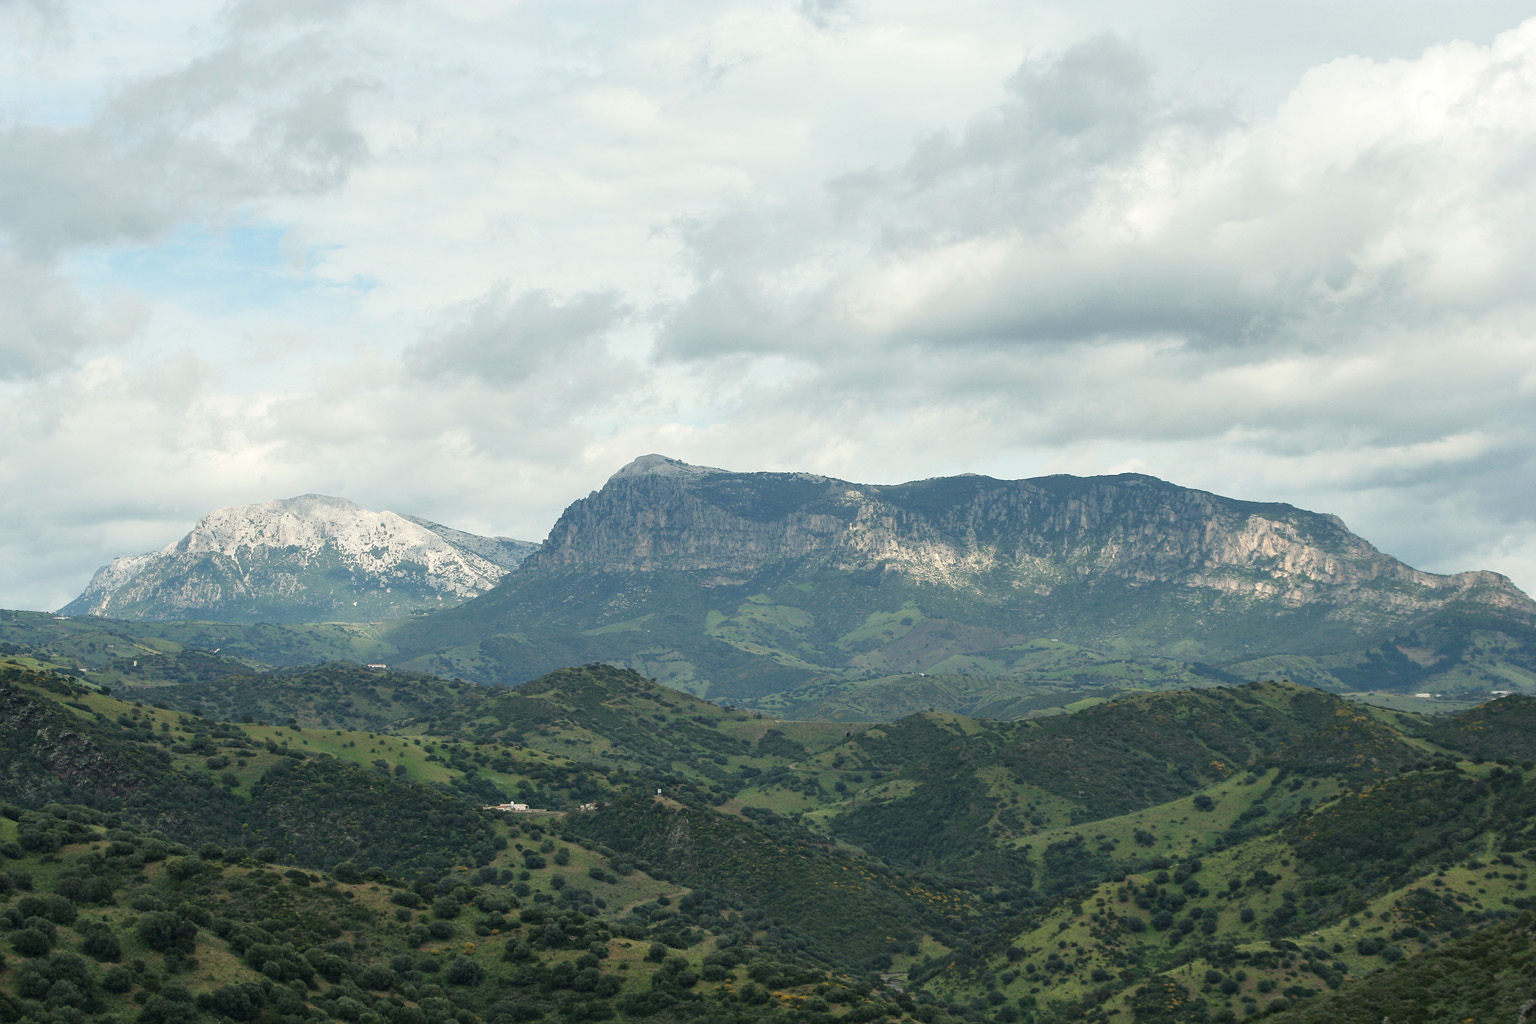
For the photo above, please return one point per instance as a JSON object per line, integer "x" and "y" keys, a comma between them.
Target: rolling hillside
{"x": 1266, "y": 849}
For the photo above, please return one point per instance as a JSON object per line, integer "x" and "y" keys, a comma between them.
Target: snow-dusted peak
{"x": 311, "y": 524}
{"x": 313, "y": 549}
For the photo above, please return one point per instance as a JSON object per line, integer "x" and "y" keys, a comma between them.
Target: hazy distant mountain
{"x": 744, "y": 584}
{"x": 310, "y": 558}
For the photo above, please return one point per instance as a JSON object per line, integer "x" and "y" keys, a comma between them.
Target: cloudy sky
{"x": 465, "y": 259}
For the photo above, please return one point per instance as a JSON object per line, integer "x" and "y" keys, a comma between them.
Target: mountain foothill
{"x": 773, "y": 747}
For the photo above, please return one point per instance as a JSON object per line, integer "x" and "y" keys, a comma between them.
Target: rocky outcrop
{"x": 1031, "y": 537}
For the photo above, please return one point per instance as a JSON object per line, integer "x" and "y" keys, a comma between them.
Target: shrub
{"x": 183, "y": 868}
{"x": 464, "y": 971}
{"x": 54, "y": 908}
{"x": 376, "y": 977}
{"x": 238, "y": 1002}
{"x": 165, "y": 931}
{"x": 118, "y": 979}
{"x": 101, "y": 944}
{"x": 160, "y": 1010}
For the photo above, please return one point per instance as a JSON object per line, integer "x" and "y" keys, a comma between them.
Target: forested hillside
{"x": 1262, "y": 850}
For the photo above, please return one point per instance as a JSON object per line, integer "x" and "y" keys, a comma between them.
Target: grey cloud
{"x": 1070, "y": 125}
{"x": 250, "y": 121}
{"x": 242, "y": 124}
{"x": 824, "y": 13}
{"x": 62, "y": 187}
{"x": 318, "y": 144}
{"x": 1103, "y": 85}
{"x": 268, "y": 14}
{"x": 47, "y": 323}
{"x": 1068, "y": 118}
{"x": 507, "y": 339}
{"x": 44, "y": 17}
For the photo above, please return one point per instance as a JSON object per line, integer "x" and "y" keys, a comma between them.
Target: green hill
{"x": 1207, "y": 855}
{"x": 336, "y": 694}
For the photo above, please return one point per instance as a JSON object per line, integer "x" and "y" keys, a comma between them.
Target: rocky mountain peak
{"x": 661, "y": 465}
{"x": 313, "y": 556}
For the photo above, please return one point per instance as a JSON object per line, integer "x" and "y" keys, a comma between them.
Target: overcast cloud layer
{"x": 464, "y": 260}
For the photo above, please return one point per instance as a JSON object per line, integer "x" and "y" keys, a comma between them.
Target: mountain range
{"x": 810, "y": 596}
{"x": 815, "y": 597}
{"x": 301, "y": 559}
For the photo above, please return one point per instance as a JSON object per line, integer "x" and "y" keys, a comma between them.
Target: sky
{"x": 466, "y": 259}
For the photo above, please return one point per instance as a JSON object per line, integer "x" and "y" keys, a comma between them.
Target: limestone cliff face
{"x": 1029, "y": 536}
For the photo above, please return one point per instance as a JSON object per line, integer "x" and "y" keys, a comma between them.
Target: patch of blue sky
{"x": 235, "y": 268}
{"x": 33, "y": 104}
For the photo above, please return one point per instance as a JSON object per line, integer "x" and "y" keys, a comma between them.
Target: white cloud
{"x": 477, "y": 256}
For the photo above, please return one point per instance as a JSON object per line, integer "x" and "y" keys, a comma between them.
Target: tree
{"x": 101, "y": 943}
{"x": 31, "y": 942}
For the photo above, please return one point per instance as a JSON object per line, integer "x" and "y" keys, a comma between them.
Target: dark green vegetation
{"x": 340, "y": 887}
{"x": 1484, "y": 976}
{"x": 1266, "y": 850}
{"x": 337, "y": 694}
